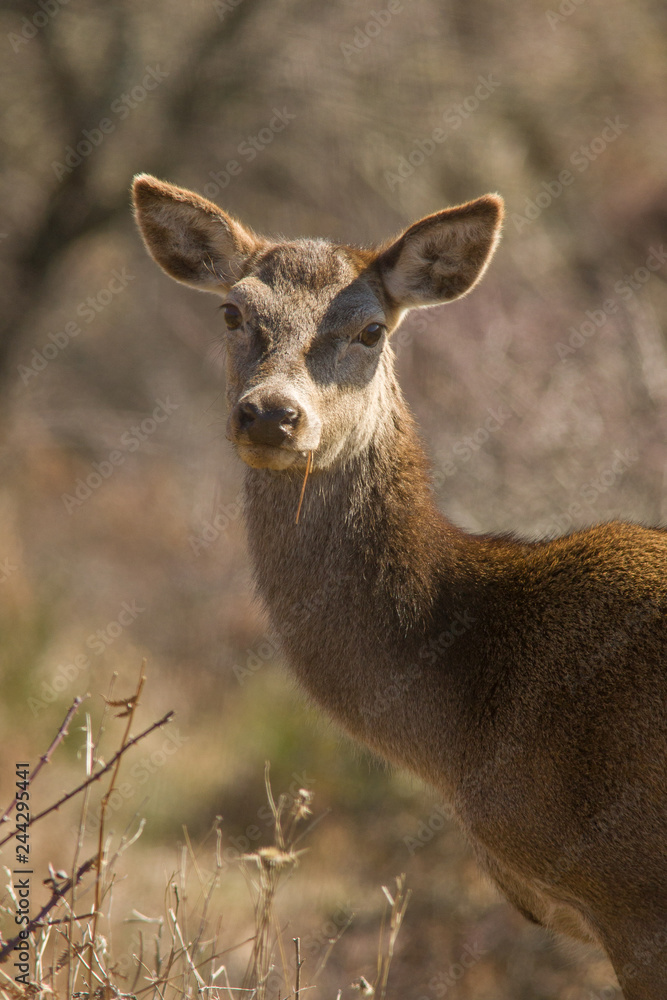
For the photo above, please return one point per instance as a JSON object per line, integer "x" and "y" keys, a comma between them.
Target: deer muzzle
{"x": 272, "y": 432}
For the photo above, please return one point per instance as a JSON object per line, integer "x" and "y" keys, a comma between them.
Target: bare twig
{"x": 46, "y": 757}
{"x": 95, "y": 777}
{"x": 73, "y": 918}
{"x": 56, "y": 896}
{"x": 297, "y": 966}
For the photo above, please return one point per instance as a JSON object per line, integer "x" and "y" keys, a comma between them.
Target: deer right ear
{"x": 191, "y": 239}
{"x": 444, "y": 255}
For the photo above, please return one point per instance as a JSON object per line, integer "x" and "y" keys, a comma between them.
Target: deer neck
{"x": 365, "y": 591}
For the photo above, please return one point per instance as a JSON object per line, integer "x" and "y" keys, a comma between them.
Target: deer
{"x": 524, "y": 680}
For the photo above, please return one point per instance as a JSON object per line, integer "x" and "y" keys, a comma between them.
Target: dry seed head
{"x": 271, "y": 857}
{"x": 363, "y": 987}
{"x": 302, "y": 803}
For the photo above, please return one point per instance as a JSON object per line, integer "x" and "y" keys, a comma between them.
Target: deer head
{"x": 308, "y": 322}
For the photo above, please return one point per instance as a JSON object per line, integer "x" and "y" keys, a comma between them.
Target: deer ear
{"x": 443, "y": 255}
{"x": 191, "y": 239}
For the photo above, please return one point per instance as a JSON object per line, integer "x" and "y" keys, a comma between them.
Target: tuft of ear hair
{"x": 191, "y": 239}
{"x": 444, "y": 255}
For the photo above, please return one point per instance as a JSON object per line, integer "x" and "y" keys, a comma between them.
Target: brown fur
{"x": 526, "y": 681}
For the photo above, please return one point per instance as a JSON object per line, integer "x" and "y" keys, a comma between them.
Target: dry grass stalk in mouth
{"x": 309, "y": 462}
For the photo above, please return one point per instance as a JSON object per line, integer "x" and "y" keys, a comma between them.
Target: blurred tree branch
{"x": 73, "y": 207}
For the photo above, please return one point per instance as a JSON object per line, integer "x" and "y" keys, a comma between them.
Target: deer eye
{"x": 233, "y": 317}
{"x": 370, "y": 334}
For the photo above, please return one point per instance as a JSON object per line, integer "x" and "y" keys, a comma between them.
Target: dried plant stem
{"x": 398, "y": 904}
{"x": 309, "y": 464}
{"x": 92, "y": 746}
{"x": 130, "y": 708}
{"x": 275, "y": 809}
{"x": 258, "y": 968}
{"x": 264, "y": 870}
{"x": 75, "y": 862}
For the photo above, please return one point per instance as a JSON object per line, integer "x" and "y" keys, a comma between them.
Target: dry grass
{"x": 180, "y": 953}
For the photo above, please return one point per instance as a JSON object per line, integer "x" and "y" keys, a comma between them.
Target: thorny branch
{"x": 94, "y": 777}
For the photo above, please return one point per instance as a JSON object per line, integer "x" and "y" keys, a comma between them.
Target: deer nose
{"x": 267, "y": 426}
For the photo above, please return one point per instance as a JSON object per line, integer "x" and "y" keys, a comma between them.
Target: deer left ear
{"x": 191, "y": 239}
{"x": 444, "y": 255}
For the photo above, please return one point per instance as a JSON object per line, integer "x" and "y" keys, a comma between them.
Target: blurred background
{"x": 542, "y": 399}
